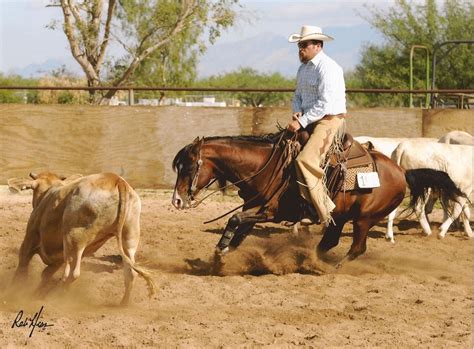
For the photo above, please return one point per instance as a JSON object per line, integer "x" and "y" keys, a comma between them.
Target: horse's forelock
{"x": 181, "y": 156}
{"x": 185, "y": 154}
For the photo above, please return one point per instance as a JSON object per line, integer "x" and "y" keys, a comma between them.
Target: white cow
{"x": 72, "y": 219}
{"x": 457, "y": 137}
{"x": 387, "y": 145}
{"x": 455, "y": 160}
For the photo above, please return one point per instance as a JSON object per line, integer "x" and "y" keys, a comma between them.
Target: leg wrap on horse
{"x": 225, "y": 239}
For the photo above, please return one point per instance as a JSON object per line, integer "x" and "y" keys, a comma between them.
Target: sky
{"x": 25, "y": 40}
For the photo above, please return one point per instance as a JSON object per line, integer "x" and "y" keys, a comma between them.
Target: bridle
{"x": 193, "y": 186}
{"x": 199, "y": 163}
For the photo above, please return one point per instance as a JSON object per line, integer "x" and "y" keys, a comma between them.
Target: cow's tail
{"x": 123, "y": 211}
{"x": 421, "y": 180}
{"x": 397, "y": 155}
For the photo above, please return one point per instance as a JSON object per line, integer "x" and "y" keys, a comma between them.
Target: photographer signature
{"x": 30, "y": 322}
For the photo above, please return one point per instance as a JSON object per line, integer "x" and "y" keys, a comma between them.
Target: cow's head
{"x": 41, "y": 183}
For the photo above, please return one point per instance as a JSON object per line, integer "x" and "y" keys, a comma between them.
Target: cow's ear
{"x": 33, "y": 175}
{"x": 15, "y": 185}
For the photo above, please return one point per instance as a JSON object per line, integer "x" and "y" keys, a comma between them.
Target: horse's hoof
{"x": 218, "y": 261}
{"x": 340, "y": 264}
{"x": 221, "y": 253}
{"x": 321, "y": 254}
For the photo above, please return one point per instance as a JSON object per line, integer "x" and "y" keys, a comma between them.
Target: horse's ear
{"x": 196, "y": 140}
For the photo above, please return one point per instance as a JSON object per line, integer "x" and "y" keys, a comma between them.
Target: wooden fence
{"x": 140, "y": 142}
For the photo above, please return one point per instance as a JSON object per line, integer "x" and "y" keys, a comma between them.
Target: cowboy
{"x": 319, "y": 101}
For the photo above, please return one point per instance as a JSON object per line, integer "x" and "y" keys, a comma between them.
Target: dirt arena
{"x": 273, "y": 291}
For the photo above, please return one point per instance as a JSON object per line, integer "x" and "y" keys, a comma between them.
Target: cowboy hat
{"x": 309, "y": 32}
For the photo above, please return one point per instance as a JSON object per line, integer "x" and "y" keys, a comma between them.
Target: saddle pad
{"x": 350, "y": 182}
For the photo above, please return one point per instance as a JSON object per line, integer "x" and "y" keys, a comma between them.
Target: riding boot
{"x": 310, "y": 216}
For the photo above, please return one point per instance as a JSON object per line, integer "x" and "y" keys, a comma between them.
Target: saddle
{"x": 342, "y": 168}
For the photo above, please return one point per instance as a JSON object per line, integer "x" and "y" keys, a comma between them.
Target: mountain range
{"x": 265, "y": 52}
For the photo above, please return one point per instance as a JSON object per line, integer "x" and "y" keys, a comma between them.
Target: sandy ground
{"x": 273, "y": 292}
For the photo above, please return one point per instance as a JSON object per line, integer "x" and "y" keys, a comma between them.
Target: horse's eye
{"x": 186, "y": 172}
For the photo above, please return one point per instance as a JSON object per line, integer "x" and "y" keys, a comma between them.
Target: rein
{"x": 196, "y": 176}
{"x": 248, "y": 178}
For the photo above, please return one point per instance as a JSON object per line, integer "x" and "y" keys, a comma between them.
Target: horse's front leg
{"x": 238, "y": 226}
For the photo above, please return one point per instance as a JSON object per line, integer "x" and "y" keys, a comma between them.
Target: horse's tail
{"x": 421, "y": 180}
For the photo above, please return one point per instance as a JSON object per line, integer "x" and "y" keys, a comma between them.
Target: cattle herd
{"x": 73, "y": 217}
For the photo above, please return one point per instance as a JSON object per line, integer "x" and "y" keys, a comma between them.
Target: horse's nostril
{"x": 177, "y": 203}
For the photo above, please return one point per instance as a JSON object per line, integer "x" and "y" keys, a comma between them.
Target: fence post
{"x": 130, "y": 97}
{"x": 412, "y": 51}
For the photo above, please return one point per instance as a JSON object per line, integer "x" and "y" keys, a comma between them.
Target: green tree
{"x": 144, "y": 28}
{"x": 250, "y": 78}
{"x": 15, "y": 96}
{"x": 406, "y": 24}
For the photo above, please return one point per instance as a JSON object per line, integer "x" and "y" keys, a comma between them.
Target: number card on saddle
{"x": 343, "y": 168}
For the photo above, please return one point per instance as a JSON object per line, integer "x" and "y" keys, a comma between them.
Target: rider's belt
{"x": 339, "y": 116}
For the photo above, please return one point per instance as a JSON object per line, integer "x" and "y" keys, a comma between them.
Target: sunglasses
{"x": 304, "y": 44}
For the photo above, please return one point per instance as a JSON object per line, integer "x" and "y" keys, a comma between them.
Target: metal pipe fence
{"x": 465, "y": 95}
{"x": 225, "y": 89}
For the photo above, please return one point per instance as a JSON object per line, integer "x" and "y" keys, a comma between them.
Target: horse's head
{"x": 193, "y": 173}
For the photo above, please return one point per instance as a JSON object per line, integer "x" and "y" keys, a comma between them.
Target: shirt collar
{"x": 317, "y": 58}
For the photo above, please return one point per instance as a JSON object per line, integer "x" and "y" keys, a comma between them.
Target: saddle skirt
{"x": 342, "y": 167}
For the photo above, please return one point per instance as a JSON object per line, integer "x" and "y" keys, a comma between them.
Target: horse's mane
{"x": 269, "y": 138}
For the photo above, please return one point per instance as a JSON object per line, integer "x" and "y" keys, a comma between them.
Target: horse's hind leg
{"x": 359, "y": 239}
{"x": 331, "y": 237}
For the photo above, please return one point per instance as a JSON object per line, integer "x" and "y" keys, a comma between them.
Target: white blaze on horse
{"x": 72, "y": 219}
{"x": 456, "y": 161}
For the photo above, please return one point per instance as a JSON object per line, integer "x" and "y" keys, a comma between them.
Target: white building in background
{"x": 115, "y": 101}
{"x": 206, "y": 102}
{"x": 152, "y": 101}
{"x": 187, "y": 101}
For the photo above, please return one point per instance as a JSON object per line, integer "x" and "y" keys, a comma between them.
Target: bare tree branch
{"x": 105, "y": 40}
{"x": 186, "y": 13}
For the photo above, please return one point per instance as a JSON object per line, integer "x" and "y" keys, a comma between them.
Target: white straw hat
{"x": 309, "y": 32}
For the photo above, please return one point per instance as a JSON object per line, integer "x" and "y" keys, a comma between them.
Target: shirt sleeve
{"x": 296, "y": 103}
{"x": 326, "y": 93}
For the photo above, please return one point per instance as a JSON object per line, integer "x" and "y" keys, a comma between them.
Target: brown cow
{"x": 74, "y": 218}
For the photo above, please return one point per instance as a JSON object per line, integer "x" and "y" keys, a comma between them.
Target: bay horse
{"x": 263, "y": 170}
